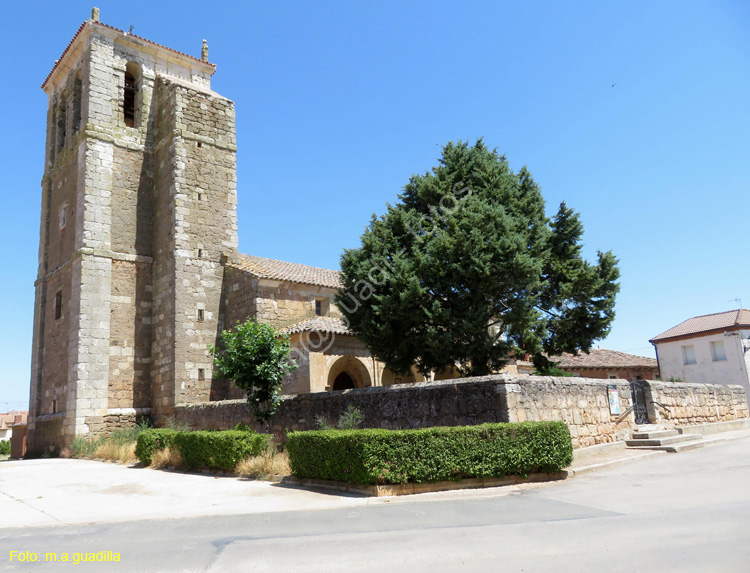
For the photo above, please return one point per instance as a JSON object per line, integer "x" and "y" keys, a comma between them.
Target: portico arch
{"x": 345, "y": 371}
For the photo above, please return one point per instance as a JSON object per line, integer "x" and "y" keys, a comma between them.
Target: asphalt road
{"x": 677, "y": 512}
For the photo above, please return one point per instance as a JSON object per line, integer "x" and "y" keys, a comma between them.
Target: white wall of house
{"x": 710, "y": 359}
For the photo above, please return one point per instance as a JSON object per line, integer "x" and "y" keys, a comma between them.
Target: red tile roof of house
{"x": 287, "y": 272}
{"x": 7, "y": 419}
{"x": 318, "y": 324}
{"x": 603, "y": 358}
{"x": 730, "y": 320}
{"x": 92, "y": 23}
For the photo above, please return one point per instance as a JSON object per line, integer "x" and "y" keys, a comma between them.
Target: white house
{"x": 714, "y": 349}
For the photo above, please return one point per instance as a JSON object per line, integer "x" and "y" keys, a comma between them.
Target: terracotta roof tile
{"x": 287, "y": 272}
{"x": 707, "y": 323}
{"x": 319, "y": 324}
{"x": 603, "y": 358}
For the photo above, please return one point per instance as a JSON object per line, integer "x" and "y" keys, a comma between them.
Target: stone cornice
{"x": 99, "y": 253}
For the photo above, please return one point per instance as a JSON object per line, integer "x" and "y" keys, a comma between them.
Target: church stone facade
{"x": 138, "y": 263}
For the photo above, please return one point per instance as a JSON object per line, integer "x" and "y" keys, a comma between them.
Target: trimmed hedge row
{"x": 202, "y": 448}
{"x": 223, "y": 450}
{"x": 373, "y": 456}
{"x": 152, "y": 440}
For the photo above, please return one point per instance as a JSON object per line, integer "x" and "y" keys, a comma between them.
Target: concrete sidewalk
{"x": 52, "y": 492}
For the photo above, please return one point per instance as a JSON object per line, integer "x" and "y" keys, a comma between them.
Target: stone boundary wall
{"x": 684, "y": 404}
{"x": 582, "y": 403}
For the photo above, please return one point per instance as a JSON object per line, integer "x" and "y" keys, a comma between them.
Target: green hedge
{"x": 202, "y": 448}
{"x": 222, "y": 450}
{"x": 5, "y": 448}
{"x": 153, "y": 440}
{"x": 374, "y": 456}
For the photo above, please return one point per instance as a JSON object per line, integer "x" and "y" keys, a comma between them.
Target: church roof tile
{"x": 287, "y": 272}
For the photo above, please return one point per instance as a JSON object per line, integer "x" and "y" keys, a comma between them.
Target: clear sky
{"x": 637, "y": 114}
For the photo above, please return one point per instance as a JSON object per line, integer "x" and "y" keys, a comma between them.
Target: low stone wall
{"x": 581, "y": 403}
{"x": 683, "y": 404}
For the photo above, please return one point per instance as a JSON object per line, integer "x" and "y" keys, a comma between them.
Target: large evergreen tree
{"x": 466, "y": 269}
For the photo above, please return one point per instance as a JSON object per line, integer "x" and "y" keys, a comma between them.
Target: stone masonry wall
{"x": 683, "y": 404}
{"x": 162, "y": 355}
{"x": 581, "y": 403}
{"x": 280, "y": 304}
{"x": 130, "y": 342}
{"x": 56, "y": 344}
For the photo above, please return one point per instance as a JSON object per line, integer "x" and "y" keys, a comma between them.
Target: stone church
{"x": 138, "y": 263}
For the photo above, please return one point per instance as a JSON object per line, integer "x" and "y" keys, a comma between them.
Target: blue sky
{"x": 338, "y": 103}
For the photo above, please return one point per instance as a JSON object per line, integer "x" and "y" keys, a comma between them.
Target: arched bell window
{"x": 130, "y": 94}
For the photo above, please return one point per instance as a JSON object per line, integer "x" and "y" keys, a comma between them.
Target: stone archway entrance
{"x": 343, "y": 382}
{"x": 346, "y": 373}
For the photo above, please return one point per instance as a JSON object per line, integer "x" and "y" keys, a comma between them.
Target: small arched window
{"x": 130, "y": 93}
{"x": 62, "y": 121}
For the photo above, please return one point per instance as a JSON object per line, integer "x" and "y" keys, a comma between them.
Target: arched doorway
{"x": 343, "y": 382}
{"x": 346, "y": 373}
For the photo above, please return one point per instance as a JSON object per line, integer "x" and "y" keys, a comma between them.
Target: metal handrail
{"x": 624, "y": 414}
{"x": 661, "y": 406}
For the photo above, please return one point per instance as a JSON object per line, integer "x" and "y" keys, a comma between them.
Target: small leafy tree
{"x": 256, "y": 358}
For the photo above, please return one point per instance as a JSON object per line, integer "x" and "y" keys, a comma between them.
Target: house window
{"x": 718, "y": 352}
{"x": 58, "y": 305}
{"x": 688, "y": 354}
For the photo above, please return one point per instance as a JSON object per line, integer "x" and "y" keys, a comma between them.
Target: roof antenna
{"x": 739, "y": 300}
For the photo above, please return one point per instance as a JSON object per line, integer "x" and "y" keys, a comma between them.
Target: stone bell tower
{"x": 138, "y": 214}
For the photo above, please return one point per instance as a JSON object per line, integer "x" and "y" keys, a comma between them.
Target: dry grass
{"x": 116, "y": 452}
{"x": 166, "y": 458}
{"x": 264, "y": 466}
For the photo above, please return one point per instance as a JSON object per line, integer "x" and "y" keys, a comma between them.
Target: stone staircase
{"x": 657, "y": 438}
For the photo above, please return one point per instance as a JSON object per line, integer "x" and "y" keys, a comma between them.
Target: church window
{"x": 63, "y": 216}
{"x": 77, "y": 96}
{"x": 201, "y": 374}
{"x": 58, "y": 305}
{"x": 201, "y": 315}
{"x": 130, "y": 94}
{"x": 321, "y": 307}
{"x": 61, "y": 121}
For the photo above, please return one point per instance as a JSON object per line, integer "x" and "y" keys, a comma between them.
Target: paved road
{"x": 677, "y": 512}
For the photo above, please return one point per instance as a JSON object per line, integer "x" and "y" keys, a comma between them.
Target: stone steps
{"x": 665, "y": 441}
{"x": 654, "y": 438}
{"x": 654, "y": 434}
{"x": 675, "y": 449}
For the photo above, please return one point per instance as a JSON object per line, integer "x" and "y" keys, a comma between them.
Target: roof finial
{"x": 204, "y": 51}
{"x": 95, "y": 14}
